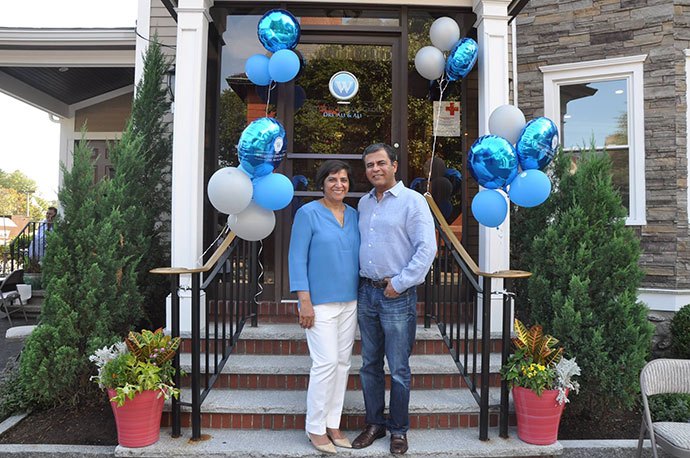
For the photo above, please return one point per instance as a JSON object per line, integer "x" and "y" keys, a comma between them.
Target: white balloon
{"x": 507, "y": 121}
{"x": 252, "y": 224}
{"x": 230, "y": 190}
{"x": 430, "y": 62}
{"x": 444, "y": 33}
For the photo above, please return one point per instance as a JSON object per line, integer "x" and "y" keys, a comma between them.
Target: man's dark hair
{"x": 392, "y": 155}
{"x": 52, "y": 208}
{"x": 331, "y": 166}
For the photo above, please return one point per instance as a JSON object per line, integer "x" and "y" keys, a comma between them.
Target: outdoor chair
{"x": 10, "y": 299}
{"x": 662, "y": 376}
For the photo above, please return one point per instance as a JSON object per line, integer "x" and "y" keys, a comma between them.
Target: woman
{"x": 324, "y": 271}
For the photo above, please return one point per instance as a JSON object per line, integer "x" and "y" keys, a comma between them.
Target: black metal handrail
{"x": 230, "y": 281}
{"x": 456, "y": 295}
{"x": 26, "y": 249}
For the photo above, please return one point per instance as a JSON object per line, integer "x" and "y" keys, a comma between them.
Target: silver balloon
{"x": 461, "y": 59}
{"x": 278, "y": 29}
{"x": 229, "y": 190}
{"x": 429, "y": 62}
{"x": 253, "y": 223}
{"x": 492, "y": 162}
{"x": 507, "y": 121}
{"x": 444, "y": 33}
{"x": 537, "y": 144}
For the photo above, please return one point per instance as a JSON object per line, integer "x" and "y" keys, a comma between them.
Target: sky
{"x": 29, "y": 140}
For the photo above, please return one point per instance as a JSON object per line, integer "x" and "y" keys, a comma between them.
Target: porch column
{"x": 188, "y": 132}
{"x": 492, "y": 37}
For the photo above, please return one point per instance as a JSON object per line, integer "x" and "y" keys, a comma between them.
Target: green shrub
{"x": 583, "y": 289}
{"x": 670, "y": 407}
{"x": 11, "y": 398}
{"x": 680, "y": 333}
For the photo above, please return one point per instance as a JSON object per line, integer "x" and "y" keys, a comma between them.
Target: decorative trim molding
{"x": 592, "y": 64}
{"x": 664, "y": 300}
{"x": 58, "y": 38}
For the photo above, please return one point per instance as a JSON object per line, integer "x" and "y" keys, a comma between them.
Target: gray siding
{"x": 566, "y": 31}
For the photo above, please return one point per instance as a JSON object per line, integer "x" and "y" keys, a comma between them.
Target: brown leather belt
{"x": 375, "y": 283}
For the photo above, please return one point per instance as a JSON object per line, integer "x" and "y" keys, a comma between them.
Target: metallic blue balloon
{"x": 461, "y": 59}
{"x": 262, "y": 146}
{"x": 278, "y": 30}
{"x": 537, "y": 144}
{"x": 492, "y": 161}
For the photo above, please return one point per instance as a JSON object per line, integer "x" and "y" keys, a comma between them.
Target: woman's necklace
{"x": 337, "y": 210}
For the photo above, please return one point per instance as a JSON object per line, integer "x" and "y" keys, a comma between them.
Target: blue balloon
{"x": 278, "y": 30}
{"x": 273, "y": 191}
{"x": 492, "y": 161}
{"x": 490, "y": 208}
{"x": 283, "y": 66}
{"x": 455, "y": 178}
{"x": 537, "y": 144}
{"x": 256, "y": 69}
{"x": 530, "y": 188}
{"x": 262, "y": 146}
{"x": 461, "y": 59}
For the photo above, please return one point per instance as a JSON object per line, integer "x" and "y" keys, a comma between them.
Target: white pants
{"x": 330, "y": 343}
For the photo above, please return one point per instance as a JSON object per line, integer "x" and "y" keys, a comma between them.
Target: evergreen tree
{"x": 583, "y": 290}
{"x": 87, "y": 292}
{"x": 140, "y": 188}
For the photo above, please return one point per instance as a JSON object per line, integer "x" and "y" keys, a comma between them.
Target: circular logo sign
{"x": 343, "y": 85}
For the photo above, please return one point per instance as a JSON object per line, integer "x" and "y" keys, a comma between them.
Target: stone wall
{"x": 553, "y": 32}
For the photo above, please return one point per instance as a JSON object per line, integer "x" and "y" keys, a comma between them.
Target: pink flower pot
{"x": 138, "y": 420}
{"x": 538, "y": 417}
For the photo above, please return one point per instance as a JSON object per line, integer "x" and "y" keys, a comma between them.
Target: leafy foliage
{"x": 585, "y": 269}
{"x": 143, "y": 363}
{"x": 680, "y": 333}
{"x": 670, "y": 407}
{"x": 536, "y": 345}
{"x": 13, "y": 187}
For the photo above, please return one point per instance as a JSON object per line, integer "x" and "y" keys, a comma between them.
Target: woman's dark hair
{"x": 392, "y": 155}
{"x": 331, "y": 166}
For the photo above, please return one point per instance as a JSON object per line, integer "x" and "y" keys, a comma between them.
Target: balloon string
{"x": 271, "y": 85}
{"x": 200, "y": 259}
{"x": 442, "y": 85}
{"x": 259, "y": 285}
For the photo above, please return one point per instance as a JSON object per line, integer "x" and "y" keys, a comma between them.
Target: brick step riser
{"x": 299, "y": 347}
{"x": 299, "y": 382}
{"x": 348, "y": 422}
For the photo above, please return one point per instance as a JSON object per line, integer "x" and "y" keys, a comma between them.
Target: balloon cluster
{"x": 251, "y": 192}
{"x": 431, "y": 62}
{"x": 511, "y": 159}
{"x": 279, "y": 33}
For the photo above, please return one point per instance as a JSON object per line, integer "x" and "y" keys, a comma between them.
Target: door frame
{"x": 398, "y": 45}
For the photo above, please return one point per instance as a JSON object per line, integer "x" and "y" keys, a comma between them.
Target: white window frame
{"x": 630, "y": 69}
{"x": 687, "y": 121}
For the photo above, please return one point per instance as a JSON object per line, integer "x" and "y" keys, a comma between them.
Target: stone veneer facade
{"x": 553, "y": 32}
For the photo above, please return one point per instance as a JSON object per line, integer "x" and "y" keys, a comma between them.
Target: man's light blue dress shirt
{"x": 398, "y": 237}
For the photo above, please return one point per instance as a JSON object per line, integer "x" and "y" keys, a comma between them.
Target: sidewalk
{"x": 11, "y": 348}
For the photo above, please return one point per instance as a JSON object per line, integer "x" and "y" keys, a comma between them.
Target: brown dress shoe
{"x": 398, "y": 444}
{"x": 369, "y": 435}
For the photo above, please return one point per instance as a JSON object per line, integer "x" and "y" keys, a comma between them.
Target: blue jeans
{"x": 387, "y": 326}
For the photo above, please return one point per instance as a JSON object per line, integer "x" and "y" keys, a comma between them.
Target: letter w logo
{"x": 344, "y": 86}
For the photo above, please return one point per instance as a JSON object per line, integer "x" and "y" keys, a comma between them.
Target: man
{"x": 398, "y": 245}
{"x": 37, "y": 248}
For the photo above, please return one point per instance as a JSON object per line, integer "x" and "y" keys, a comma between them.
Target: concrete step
{"x": 461, "y": 443}
{"x": 292, "y": 372}
{"x": 275, "y": 410}
{"x": 289, "y": 339}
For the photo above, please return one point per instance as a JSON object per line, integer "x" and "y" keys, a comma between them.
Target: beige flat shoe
{"x": 328, "y": 448}
{"x": 342, "y": 443}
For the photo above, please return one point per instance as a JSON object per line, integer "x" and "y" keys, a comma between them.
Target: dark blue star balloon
{"x": 461, "y": 59}
{"x": 537, "y": 144}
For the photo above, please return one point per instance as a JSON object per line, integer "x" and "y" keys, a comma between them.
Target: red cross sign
{"x": 452, "y": 108}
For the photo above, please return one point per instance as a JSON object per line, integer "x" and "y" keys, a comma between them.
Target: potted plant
{"x": 541, "y": 379}
{"x": 138, "y": 376}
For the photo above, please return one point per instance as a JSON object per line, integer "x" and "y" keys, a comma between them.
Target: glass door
{"x": 322, "y": 127}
